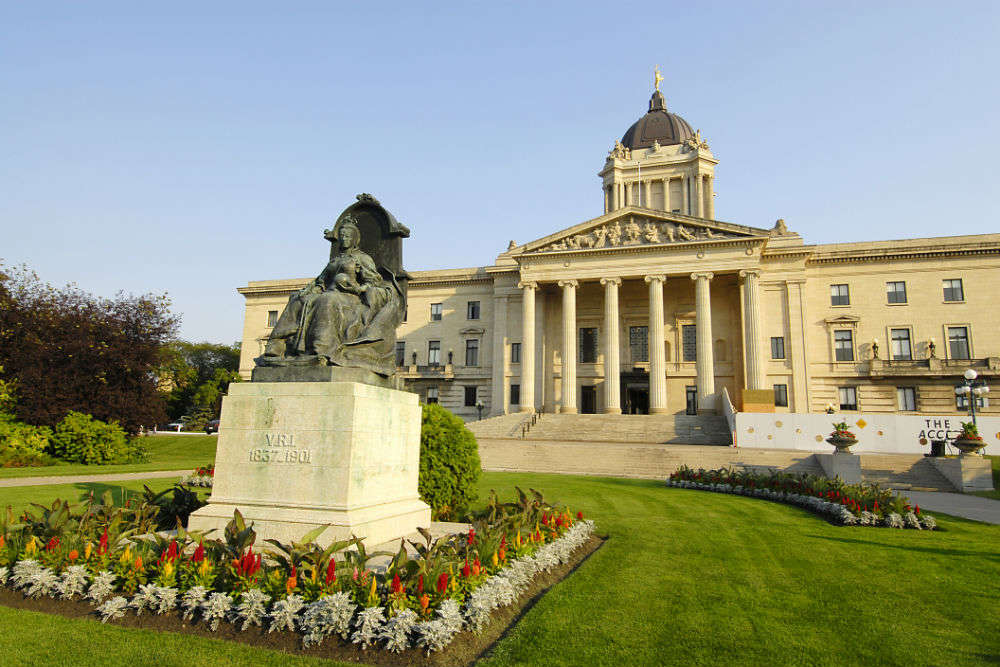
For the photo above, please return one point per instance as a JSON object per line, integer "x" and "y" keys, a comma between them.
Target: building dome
{"x": 658, "y": 125}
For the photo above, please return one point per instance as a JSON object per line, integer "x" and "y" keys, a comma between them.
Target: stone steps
{"x": 496, "y": 427}
{"x": 684, "y": 429}
{"x": 903, "y": 471}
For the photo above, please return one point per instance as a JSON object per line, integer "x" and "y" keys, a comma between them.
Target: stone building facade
{"x": 657, "y": 307}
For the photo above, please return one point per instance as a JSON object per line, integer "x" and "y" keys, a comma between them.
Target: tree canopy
{"x": 196, "y": 375}
{"x": 64, "y": 349}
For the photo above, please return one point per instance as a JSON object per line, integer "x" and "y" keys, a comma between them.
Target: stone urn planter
{"x": 842, "y": 443}
{"x": 969, "y": 446}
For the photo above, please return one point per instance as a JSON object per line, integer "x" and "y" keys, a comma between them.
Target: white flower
{"x": 252, "y": 609}
{"x": 144, "y": 599}
{"x": 192, "y": 600}
{"x": 4, "y": 573}
{"x": 433, "y": 635}
{"x": 113, "y": 608}
{"x": 328, "y": 615}
{"x": 367, "y": 626}
{"x": 283, "y": 613}
{"x": 912, "y": 521}
{"x": 396, "y": 631}
{"x": 164, "y": 600}
{"x": 928, "y": 522}
{"x": 74, "y": 581}
{"x": 215, "y": 609}
{"x": 102, "y": 587}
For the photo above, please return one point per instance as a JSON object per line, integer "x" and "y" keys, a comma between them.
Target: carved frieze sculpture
{"x": 348, "y": 315}
{"x": 635, "y": 232}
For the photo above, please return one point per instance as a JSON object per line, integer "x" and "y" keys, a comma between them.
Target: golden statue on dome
{"x": 657, "y": 78}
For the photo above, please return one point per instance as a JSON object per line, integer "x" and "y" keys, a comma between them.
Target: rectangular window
{"x": 272, "y": 318}
{"x": 638, "y": 342}
{"x": 470, "y": 397}
{"x": 472, "y": 310}
{"x": 432, "y": 395}
{"x": 906, "y": 398}
{"x": 896, "y": 291}
{"x": 848, "y": 398}
{"x": 400, "y": 352}
{"x": 777, "y": 347}
{"x": 515, "y": 394}
{"x": 472, "y": 352}
{"x": 953, "y": 290}
{"x": 958, "y": 343}
{"x": 434, "y": 353}
{"x": 515, "y": 353}
{"x": 900, "y": 341}
{"x": 840, "y": 295}
{"x": 435, "y": 312}
{"x": 588, "y": 345}
{"x": 843, "y": 344}
{"x": 781, "y": 395}
{"x": 689, "y": 342}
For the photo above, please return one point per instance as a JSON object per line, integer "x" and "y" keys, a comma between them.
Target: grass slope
{"x": 687, "y": 578}
{"x": 19, "y": 497}
{"x": 166, "y": 452}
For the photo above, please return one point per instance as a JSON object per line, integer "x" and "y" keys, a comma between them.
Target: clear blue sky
{"x": 189, "y": 147}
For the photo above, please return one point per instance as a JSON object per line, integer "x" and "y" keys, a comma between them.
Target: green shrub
{"x": 80, "y": 438}
{"x": 449, "y": 463}
{"x": 22, "y": 444}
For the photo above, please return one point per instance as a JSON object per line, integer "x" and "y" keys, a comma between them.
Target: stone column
{"x": 606, "y": 202}
{"x": 657, "y": 354}
{"x": 666, "y": 194}
{"x": 699, "y": 198}
{"x": 498, "y": 401}
{"x": 711, "y": 198}
{"x": 528, "y": 346}
{"x": 612, "y": 353}
{"x": 685, "y": 195}
{"x": 752, "y": 328}
{"x": 649, "y": 193}
{"x": 569, "y": 345}
{"x": 705, "y": 362}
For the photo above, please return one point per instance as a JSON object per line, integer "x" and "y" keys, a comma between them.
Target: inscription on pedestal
{"x": 280, "y": 449}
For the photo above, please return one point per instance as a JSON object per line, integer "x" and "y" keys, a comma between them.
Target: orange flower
{"x": 138, "y": 563}
{"x": 293, "y": 581}
{"x": 2, "y": 541}
{"x": 74, "y": 554}
{"x": 425, "y": 601}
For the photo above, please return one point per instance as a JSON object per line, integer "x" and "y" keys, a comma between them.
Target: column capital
{"x": 750, "y": 273}
{"x": 527, "y": 284}
{"x": 568, "y": 283}
{"x": 656, "y": 276}
{"x": 707, "y": 275}
{"x": 611, "y": 281}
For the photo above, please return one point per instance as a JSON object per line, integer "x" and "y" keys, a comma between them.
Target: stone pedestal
{"x": 296, "y": 455}
{"x": 844, "y": 465}
{"x": 966, "y": 473}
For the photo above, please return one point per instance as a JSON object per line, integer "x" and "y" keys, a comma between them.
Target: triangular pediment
{"x": 635, "y": 227}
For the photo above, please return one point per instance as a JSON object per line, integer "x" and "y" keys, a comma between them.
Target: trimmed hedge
{"x": 80, "y": 438}
{"x": 449, "y": 463}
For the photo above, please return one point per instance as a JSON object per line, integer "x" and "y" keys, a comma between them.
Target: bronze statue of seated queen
{"x": 348, "y": 315}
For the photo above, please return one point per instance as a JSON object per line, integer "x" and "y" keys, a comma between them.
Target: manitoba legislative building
{"x": 655, "y": 306}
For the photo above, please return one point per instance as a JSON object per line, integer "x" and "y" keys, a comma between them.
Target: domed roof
{"x": 658, "y": 125}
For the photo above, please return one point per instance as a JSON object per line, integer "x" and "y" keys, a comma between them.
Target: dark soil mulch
{"x": 465, "y": 649}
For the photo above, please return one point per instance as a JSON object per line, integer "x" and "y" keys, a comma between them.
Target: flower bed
{"x": 455, "y": 583}
{"x": 203, "y": 476}
{"x": 845, "y": 504}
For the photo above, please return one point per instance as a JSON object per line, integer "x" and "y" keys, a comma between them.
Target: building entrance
{"x": 635, "y": 392}
{"x": 588, "y": 400}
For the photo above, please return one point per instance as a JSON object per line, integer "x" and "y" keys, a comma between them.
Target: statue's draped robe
{"x": 347, "y": 329}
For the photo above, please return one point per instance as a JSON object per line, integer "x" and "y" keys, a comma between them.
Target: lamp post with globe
{"x": 479, "y": 406}
{"x": 974, "y": 390}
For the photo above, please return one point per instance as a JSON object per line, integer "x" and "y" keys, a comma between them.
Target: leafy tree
{"x": 196, "y": 376}
{"x": 69, "y": 350}
{"x": 449, "y": 463}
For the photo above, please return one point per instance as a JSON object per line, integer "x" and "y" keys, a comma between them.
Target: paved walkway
{"x": 957, "y": 504}
{"x": 76, "y": 479}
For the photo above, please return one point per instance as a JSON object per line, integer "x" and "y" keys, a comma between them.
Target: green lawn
{"x": 687, "y": 578}
{"x": 20, "y": 497}
{"x": 166, "y": 452}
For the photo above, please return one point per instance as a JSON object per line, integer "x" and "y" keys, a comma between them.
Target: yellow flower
{"x": 168, "y": 568}
{"x": 87, "y": 549}
{"x": 204, "y": 568}
{"x": 495, "y": 560}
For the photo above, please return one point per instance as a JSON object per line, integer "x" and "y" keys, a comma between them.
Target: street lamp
{"x": 972, "y": 390}
{"x": 479, "y": 406}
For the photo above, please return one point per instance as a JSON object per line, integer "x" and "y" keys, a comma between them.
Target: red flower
{"x": 466, "y": 570}
{"x": 442, "y": 582}
{"x": 331, "y": 572}
{"x": 102, "y": 547}
{"x": 472, "y": 535}
{"x": 916, "y": 510}
{"x": 53, "y": 543}
{"x": 396, "y": 586}
{"x": 199, "y": 553}
{"x": 579, "y": 515}
{"x": 420, "y": 585}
